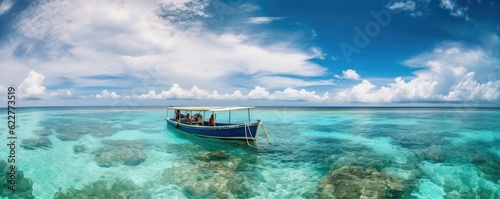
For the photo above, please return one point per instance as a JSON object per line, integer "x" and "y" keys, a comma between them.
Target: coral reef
{"x": 212, "y": 156}
{"x": 105, "y": 189}
{"x": 366, "y": 159}
{"x": 113, "y": 156}
{"x": 43, "y": 132}
{"x": 356, "y": 182}
{"x": 71, "y": 130}
{"x": 137, "y": 144}
{"x": 79, "y": 148}
{"x": 68, "y": 136}
{"x": 434, "y": 154}
{"x": 23, "y": 187}
{"x": 116, "y": 152}
{"x": 212, "y": 175}
{"x": 34, "y": 143}
{"x": 488, "y": 163}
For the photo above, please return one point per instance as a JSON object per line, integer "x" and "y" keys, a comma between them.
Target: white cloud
{"x": 32, "y": 88}
{"x": 263, "y": 20}
{"x": 3, "y": 88}
{"x": 176, "y": 92}
{"x": 470, "y": 89}
{"x": 302, "y": 94}
{"x": 260, "y": 93}
{"x": 406, "y": 6}
{"x": 447, "y": 4}
{"x": 5, "y": 6}
{"x": 452, "y": 72}
{"x": 62, "y": 93}
{"x": 454, "y": 9}
{"x": 414, "y": 8}
{"x": 348, "y": 74}
{"x": 105, "y": 94}
{"x": 74, "y": 39}
{"x": 287, "y": 94}
{"x": 358, "y": 93}
{"x": 232, "y": 39}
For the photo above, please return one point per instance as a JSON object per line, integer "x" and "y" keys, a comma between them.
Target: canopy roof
{"x": 209, "y": 108}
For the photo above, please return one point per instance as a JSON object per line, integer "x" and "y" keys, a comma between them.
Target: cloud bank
{"x": 74, "y": 40}
{"x": 258, "y": 93}
{"x": 450, "y": 73}
{"x": 32, "y": 88}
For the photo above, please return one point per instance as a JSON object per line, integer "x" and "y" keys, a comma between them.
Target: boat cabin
{"x": 197, "y": 115}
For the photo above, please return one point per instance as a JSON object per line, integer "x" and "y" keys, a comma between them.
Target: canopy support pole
{"x": 248, "y": 115}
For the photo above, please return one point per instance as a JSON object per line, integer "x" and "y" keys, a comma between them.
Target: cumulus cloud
{"x": 287, "y": 94}
{"x": 302, "y": 95}
{"x": 105, "y": 94}
{"x": 348, "y": 74}
{"x": 263, "y": 20}
{"x": 176, "y": 92}
{"x": 32, "y": 88}
{"x": 258, "y": 93}
{"x": 358, "y": 93}
{"x": 451, "y": 72}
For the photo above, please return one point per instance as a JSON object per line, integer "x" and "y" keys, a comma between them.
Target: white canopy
{"x": 209, "y": 108}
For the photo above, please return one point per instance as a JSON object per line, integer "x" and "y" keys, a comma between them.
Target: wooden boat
{"x": 196, "y": 124}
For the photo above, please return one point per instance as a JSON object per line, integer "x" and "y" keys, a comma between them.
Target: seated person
{"x": 186, "y": 119}
{"x": 197, "y": 119}
{"x": 211, "y": 121}
{"x": 178, "y": 115}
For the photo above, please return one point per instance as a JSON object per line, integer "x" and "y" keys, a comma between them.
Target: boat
{"x": 197, "y": 125}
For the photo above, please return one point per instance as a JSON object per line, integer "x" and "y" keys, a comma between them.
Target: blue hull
{"x": 220, "y": 131}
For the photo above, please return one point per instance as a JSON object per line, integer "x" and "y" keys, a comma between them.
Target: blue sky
{"x": 387, "y": 52}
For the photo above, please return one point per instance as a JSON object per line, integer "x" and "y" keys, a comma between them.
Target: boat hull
{"x": 220, "y": 131}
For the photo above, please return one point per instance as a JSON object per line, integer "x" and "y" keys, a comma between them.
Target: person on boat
{"x": 211, "y": 121}
{"x": 197, "y": 119}
{"x": 186, "y": 119}
{"x": 178, "y": 115}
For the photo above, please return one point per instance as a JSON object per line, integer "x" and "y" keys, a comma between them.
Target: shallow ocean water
{"x": 313, "y": 153}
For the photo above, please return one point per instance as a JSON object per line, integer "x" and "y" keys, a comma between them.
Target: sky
{"x": 272, "y": 52}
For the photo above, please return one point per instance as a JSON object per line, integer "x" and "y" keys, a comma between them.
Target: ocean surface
{"x": 74, "y": 152}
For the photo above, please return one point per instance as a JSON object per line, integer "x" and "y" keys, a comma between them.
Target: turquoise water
{"x": 313, "y": 153}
